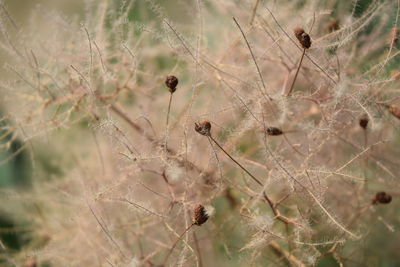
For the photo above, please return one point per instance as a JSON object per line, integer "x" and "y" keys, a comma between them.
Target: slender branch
{"x": 174, "y": 245}
{"x": 166, "y": 127}
{"x": 270, "y": 203}
{"x": 234, "y": 160}
{"x": 254, "y": 11}
{"x": 297, "y": 72}
{"x": 254, "y": 59}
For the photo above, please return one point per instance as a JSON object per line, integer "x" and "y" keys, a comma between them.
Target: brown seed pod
{"x": 200, "y": 215}
{"x": 395, "y": 111}
{"x": 303, "y": 37}
{"x": 171, "y": 82}
{"x": 203, "y": 128}
{"x": 333, "y": 25}
{"x": 382, "y": 198}
{"x": 274, "y": 131}
{"x": 363, "y": 121}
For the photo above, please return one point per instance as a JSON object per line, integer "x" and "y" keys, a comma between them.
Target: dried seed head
{"x": 395, "y": 111}
{"x": 274, "y": 131}
{"x": 333, "y": 25}
{"x": 203, "y": 128}
{"x": 171, "y": 82}
{"x": 364, "y": 121}
{"x": 382, "y": 198}
{"x": 200, "y": 215}
{"x": 303, "y": 37}
{"x": 394, "y": 36}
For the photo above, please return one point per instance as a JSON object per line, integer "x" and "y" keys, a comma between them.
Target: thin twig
{"x": 166, "y": 126}
{"x": 254, "y": 59}
{"x": 297, "y": 72}
{"x": 174, "y": 245}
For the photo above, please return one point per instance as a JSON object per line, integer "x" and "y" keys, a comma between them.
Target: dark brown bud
{"x": 171, "y": 82}
{"x": 364, "y": 121}
{"x": 203, "y": 128}
{"x": 303, "y": 37}
{"x": 274, "y": 131}
{"x": 333, "y": 25}
{"x": 382, "y": 198}
{"x": 200, "y": 215}
{"x": 395, "y": 111}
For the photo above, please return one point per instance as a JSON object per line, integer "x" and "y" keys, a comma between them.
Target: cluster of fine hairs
{"x": 155, "y": 138}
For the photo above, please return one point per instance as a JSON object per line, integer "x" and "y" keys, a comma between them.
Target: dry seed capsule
{"x": 364, "y": 121}
{"x": 274, "y": 131}
{"x": 303, "y": 37}
{"x": 171, "y": 82}
{"x": 200, "y": 215}
{"x": 382, "y": 198}
{"x": 203, "y": 128}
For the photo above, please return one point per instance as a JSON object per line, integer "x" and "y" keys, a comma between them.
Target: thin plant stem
{"x": 270, "y": 203}
{"x": 176, "y": 242}
{"x": 264, "y": 93}
{"x": 196, "y": 242}
{"x": 253, "y": 15}
{"x": 166, "y": 126}
{"x": 237, "y": 163}
{"x": 297, "y": 72}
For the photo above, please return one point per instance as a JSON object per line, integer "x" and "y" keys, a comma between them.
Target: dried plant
{"x": 296, "y": 156}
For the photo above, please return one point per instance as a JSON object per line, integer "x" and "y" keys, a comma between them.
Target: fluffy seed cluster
{"x": 203, "y": 128}
{"x": 382, "y": 198}
{"x": 200, "y": 215}
{"x": 303, "y": 37}
{"x": 171, "y": 82}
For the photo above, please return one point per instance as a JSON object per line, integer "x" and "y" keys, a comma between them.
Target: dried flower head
{"x": 303, "y": 37}
{"x": 200, "y": 215}
{"x": 171, "y": 82}
{"x": 203, "y": 128}
{"x": 382, "y": 198}
{"x": 364, "y": 121}
{"x": 395, "y": 111}
{"x": 274, "y": 131}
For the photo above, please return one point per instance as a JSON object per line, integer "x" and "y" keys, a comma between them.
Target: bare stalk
{"x": 174, "y": 245}
{"x": 166, "y": 126}
{"x": 297, "y": 72}
{"x": 264, "y": 93}
{"x": 270, "y": 203}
